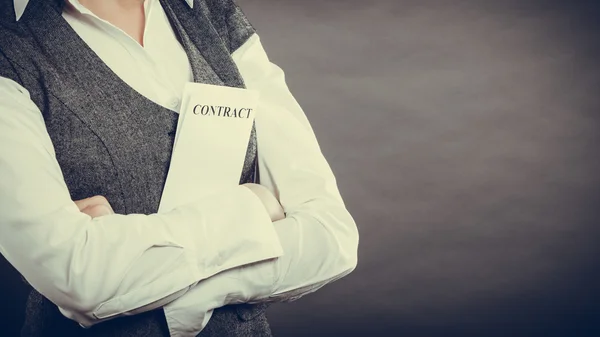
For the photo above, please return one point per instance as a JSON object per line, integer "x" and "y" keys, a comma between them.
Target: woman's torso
{"x": 113, "y": 131}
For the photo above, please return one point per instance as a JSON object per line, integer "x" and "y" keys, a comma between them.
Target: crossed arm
{"x": 70, "y": 257}
{"x": 98, "y": 205}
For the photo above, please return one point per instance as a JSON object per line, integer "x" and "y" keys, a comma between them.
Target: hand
{"x": 270, "y": 202}
{"x": 95, "y": 206}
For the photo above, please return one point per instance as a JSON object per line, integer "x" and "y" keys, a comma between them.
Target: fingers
{"x": 97, "y": 210}
{"x": 95, "y": 200}
{"x": 94, "y": 206}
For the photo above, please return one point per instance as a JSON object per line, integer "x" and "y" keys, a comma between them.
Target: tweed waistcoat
{"x": 112, "y": 141}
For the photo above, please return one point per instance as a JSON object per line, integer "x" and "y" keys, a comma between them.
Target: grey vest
{"x": 112, "y": 141}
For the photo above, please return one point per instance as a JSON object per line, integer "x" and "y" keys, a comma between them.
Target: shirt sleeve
{"x": 319, "y": 237}
{"x": 101, "y": 268}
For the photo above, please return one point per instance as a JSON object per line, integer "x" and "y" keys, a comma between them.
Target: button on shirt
{"x": 193, "y": 259}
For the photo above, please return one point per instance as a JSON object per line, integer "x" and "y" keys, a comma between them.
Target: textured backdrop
{"x": 464, "y": 136}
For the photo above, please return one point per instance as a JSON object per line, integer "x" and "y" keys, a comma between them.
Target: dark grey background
{"x": 464, "y": 138}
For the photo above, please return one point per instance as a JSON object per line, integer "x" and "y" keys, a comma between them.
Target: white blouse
{"x": 221, "y": 250}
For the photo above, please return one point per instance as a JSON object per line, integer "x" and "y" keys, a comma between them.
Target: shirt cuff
{"x": 228, "y": 229}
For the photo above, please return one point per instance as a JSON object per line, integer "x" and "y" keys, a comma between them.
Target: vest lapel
{"x": 204, "y": 36}
{"x": 93, "y": 78}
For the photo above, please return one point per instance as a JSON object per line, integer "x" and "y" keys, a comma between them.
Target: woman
{"x": 90, "y": 92}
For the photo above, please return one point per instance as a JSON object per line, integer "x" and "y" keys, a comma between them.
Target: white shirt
{"x": 218, "y": 251}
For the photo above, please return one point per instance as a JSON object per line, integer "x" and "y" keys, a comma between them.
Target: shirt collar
{"x": 21, "y": 4}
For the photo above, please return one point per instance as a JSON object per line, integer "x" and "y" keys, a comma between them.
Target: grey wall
{"x": 464, "y": 138}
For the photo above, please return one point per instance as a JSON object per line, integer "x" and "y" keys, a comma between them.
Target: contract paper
{"x": 211, "y": 140}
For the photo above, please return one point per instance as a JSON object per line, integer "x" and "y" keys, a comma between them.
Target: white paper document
{"x": 212, "y": 137}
